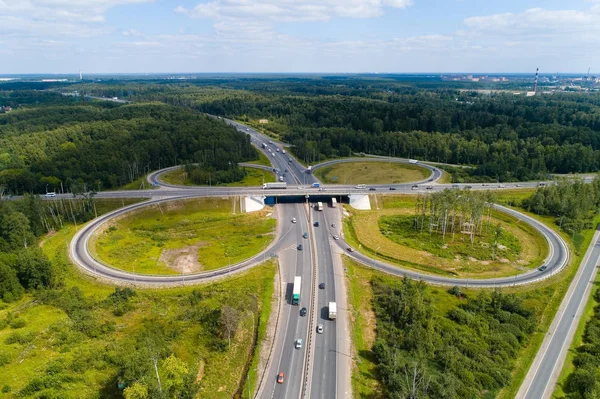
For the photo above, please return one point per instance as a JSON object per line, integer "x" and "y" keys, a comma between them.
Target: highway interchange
{"x": 321, "y": 369}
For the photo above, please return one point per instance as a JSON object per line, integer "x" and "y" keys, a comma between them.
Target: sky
{"x": 343, "y": 36}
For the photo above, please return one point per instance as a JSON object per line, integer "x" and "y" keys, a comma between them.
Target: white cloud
{"x": 291, "y": 10}
{"x": 56, "y": 17}
{"x": 130, "y": 33}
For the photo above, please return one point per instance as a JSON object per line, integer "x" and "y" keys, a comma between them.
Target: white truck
{"x": 332, "y": 310}
{"x": 296, "y": 290}
{"x": 333, "y": 203}
{"x": 309, "y": 170}
{"x": 267, "y": 186}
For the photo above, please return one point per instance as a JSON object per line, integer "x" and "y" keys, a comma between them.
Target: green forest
{"x": 468, "y": 352}
{"x": 506, "y": 137}
{"x": 57, "y": 144}
{"x": 503, "y": 136}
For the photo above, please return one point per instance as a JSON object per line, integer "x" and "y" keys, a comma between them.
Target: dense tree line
{"x": 584, "y": 381}
{"x": 101, "y": 146}
{"x": 199, "y": 175}
{"x": 466, "y": 353}
{"x": 507, "y": 138}
{"x": 23, "y": 266}
{"x": 573, "y": 203}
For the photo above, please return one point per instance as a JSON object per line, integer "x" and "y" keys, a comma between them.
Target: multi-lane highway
{"x": 314, "y": 370}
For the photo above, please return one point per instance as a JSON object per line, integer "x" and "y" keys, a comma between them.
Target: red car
{"x": 280, "y": 377}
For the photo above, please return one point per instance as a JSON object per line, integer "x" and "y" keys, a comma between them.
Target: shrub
{"x": 17, "y": 323}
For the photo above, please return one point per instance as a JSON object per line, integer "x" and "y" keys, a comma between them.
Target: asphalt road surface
{"x": 323, "y": 383}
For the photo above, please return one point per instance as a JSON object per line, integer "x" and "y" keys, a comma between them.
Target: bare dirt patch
{"x": 47, "y": 236}
{"x": 182, "y": 260}
{"x": 200, "y": 371}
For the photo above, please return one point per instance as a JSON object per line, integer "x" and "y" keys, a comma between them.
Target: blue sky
{"x": 126, "y": 36}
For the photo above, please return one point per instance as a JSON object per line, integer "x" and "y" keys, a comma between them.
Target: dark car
{"x": 316, "y": 224}
{"x": 322, "y": 286}
{"x": 542, "y": 268}
{"x": 393, "y": 188}
{"x": 303, "y": 312}
{"x": 300, "y": 247}
{"x": 350, "y": 249}
{"x": 372, "y": 189}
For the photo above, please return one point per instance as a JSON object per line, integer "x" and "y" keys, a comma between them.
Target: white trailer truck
{"x": 332, "y": 310}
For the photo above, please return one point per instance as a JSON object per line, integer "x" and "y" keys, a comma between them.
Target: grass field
{"x": 183, "y": 237}
{"x": 254, "y": 177}
{"x": 138, "y": 184}
{"x": 387, "y": 234}
{"x": 262, "y": 160}
{"x": 371, "y": 173}
{"x": 53, "y": 358}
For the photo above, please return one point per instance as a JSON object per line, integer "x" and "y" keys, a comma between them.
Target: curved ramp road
{"x": 557, "y": 259}
{"x": 436, "y": 173}
{"x": 80, "y": 255}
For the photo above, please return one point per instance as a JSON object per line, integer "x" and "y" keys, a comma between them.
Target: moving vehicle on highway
{"x": 50, "y": 194}
{"x": 305, "y": 235}
{"x": 320, "y": 329}
{"x": 299, "y": 247}
{"x": 274, "y": 185}
{"x": 336, "y": 237}
{"x": 280, "y": 377}
{"x": 350, "y": 249}
{"x": 322, "y": 286}
{"x": 303, "y": 312}
{"x": 316, "y": 224}
{"x": 333, "y": 203}
{"x": 542, "y": 268}
{"x": 298, "y": 343}
{"x": 296, "y": 290}
{"x": 332, "y": 310}
{"x": 414, "y": 187}
{"x": 372, "y": 189}
{"x": 319, "y": 206}
{"x": 293, "y": 220}
{"x": 360, "y": 186}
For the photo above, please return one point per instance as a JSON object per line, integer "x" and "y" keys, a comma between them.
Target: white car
{"x": 298, "y": 343}
{"x": 336, "y": 237}
{"x": 293, "y": 220}
{"x": 52, "y": 194}
{"x": 320, "y": 329}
